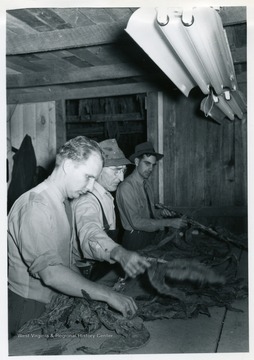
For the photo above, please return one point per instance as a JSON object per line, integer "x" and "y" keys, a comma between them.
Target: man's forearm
{"x": 116, "y": 253}
{"x": 146, "y": 224}
{"x": 67, "y": 281}
{"x": 70, "y": 283}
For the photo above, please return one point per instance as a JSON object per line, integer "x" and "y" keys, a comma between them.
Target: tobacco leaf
{"x": 181, "y": 270}
{"x": 68, "y": 315}
{"x": 180, "y": 289}
{"x": 186, "y": 287}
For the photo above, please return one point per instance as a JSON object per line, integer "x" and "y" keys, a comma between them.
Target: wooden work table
{"x": 224, "y": 331}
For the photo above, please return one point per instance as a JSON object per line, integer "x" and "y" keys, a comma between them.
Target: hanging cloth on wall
{"x": 24, "y": 171}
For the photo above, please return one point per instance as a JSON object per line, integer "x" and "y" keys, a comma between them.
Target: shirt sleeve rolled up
{"x": 43, "y": 261}
{"x": 37, "y": 247}
{"x": 93, "y": 240}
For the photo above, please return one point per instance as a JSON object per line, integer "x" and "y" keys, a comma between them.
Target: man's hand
{"x": 177, "y": 223}
{"x": 125, "y": 304}
{"x": 132, "y": 263}
{"x": 167, "y": 213}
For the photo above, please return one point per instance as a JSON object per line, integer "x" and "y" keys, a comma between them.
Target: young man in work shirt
{"x": 143, "y": 223}
{"x": 39, "y": 239}
{"x": 95, "y": 219}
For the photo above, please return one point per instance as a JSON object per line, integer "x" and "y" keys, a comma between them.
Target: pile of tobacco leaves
{"x": 188, "y": 275}
{"x": 70, "y": 316}
{"x": 198, "y": 272}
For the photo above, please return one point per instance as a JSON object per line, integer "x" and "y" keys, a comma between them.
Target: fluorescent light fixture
{"x": 217, "y": 107}
{"x": 190, "y": 46}
{"x": 142, "y": 28}
{"x": 223, "y": 105}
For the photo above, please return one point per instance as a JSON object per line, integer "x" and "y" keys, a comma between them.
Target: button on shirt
{"x": 93, "y": 240}
{"x": 38, "y": 236}
{"x": 132, "y": 204}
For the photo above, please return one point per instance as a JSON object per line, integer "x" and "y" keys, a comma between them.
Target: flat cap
{"x": 112, "y": 154}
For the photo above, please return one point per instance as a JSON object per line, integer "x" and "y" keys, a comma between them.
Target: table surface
{"x": 225, "y": 331}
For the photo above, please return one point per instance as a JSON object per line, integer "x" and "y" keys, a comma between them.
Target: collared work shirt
{"x": 93, "y": 240}
{"x": 38, "y": 236}
{"x": 133, "y": 207}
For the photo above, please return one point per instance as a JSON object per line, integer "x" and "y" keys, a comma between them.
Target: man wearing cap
{"x": 143, "y": 224}
{"x": 95, "y": 218}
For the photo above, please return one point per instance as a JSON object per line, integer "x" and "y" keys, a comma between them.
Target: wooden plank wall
{"x": 204, "y": 164}
{"x": 184, "y": 150}
{"x": 206, "y": 161}
{"x": 38, "y": 120}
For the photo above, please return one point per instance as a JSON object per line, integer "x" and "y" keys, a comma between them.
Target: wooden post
{"x": 155, "y": 135}
{"x": 60, "y": 123}
{"x": 160, "y": 146}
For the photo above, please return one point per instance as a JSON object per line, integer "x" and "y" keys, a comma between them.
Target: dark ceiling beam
{"x": 91, "y": 35}
{"x": 233, "y": 15}
{"x": 17, "y": 96}
{"x": 239, "y": 55}
{"x": 67, "y": 38}
{"x": 96, "y": 73}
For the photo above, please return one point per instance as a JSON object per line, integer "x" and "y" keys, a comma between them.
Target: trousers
{"x": 20, "y": 310}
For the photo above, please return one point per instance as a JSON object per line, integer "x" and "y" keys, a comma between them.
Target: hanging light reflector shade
{"x": 192, "y": 49}
{"x": 208, "y": 107}
{"x": 142, "y": 28}
{"x": 235, "y": 106}
{"x": 195, "y": 54}
{"x": 203, "y": 49}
